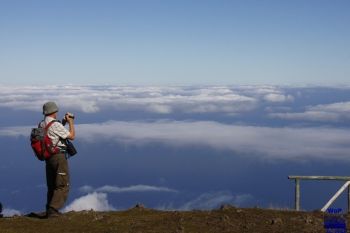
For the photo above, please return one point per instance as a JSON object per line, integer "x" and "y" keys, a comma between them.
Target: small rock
{"x": 98, "y": 217}
{"x": 225, "y": 218}
{"x": 176, "y": 213}
{"x": 180, "y": 228}
{"x": 308, "y": 220}
{"x": 318, "y": 221}
{"x": 227, "y": 207}
{"x": 139, "y": 206}
{"x": 276, "y": 221}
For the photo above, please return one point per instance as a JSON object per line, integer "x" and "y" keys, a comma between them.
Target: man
{"x": 57, "y": 171}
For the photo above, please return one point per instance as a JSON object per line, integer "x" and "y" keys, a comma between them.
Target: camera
{"x": 68, "y": 114}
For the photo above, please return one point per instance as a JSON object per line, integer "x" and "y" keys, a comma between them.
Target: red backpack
{"x": 41, "y": 143}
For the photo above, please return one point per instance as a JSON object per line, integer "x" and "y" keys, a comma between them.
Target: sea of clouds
{"x": 311, "y": 130}
{"x": 165, "y": 100}
{"x": 290, "y": 141}
{"x": 162, "y": 100}
{"x": 266, "y": 142}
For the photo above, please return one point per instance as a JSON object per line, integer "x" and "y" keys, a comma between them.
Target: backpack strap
{"x": 47, "y": 128}
{"x": 39, "y": 125}
{"x": 49, "y": 124}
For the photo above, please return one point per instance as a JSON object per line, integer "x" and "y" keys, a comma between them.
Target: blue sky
{"x": 175, "y": 42}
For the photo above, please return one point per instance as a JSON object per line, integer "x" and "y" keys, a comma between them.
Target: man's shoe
{"x": 52, "y": 213}
{"x": 41, "y": 215}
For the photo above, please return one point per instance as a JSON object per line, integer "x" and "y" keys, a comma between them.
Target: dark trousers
{"x": 57, "y": 178}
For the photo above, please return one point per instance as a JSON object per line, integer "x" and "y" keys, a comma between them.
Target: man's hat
{"x": 49, "y": 108}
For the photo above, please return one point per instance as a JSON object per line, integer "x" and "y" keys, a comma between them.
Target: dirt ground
{"x": 141, "y": 220}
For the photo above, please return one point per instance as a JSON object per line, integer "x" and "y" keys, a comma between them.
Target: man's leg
{"x": 50, "y": 181}
{"x": 61, "y": 187}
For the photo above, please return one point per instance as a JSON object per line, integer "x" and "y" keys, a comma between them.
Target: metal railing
{"x": 335, "y": 196}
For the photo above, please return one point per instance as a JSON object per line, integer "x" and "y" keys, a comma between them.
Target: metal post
{"x": 348, "y": 199}
{"x": 297, "y": 194}
{"x": 336, "y": 195}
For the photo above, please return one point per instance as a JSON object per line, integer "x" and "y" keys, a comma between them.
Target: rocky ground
{"x": 142, "y": 220}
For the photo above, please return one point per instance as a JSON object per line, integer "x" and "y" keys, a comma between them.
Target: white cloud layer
{"x": 166, "y": 100}
{"x": 133, "y": 188}
{"x": 11, "y": 212}
{"x": 335, "y": 112}
{"x": 278, "y": 98}
{"x": 284, "y": 143}
{"x": 154, "y": 99}
{"x": 266, "y": 142}
{"x": 92, "y": 201}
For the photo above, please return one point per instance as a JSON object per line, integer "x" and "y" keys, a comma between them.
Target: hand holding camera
{"x": 69, "y": 117}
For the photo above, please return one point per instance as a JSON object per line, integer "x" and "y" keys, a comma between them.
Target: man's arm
{"x": 71, "y": 135}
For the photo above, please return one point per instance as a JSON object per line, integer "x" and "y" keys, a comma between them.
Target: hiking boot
{"x": 52, "y": 213}
{"x": 40, "y": 215}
